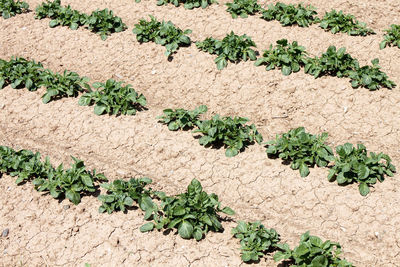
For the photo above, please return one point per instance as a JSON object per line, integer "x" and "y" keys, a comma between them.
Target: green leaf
{"x": 363, "y": 188}
{"x": 185, "y": 230}
{"x": 99, "y": 110}
{"x": 304, "y": 171}
{"x": 147, "y": 227}
{"x": 228, "y": 211}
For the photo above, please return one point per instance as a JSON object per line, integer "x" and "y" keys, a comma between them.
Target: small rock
{"x": 119, "y": 76}
{"x": 66, "y": 207}
{"x": 2, "y": 106}
{"x": 5, "y": 232}
{"x": 153, "y": 72}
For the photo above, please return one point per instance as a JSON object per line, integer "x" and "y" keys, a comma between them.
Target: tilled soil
{"x": 44, "y": 231}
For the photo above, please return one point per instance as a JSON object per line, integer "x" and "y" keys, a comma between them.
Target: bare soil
{"x": 43, "y": 232}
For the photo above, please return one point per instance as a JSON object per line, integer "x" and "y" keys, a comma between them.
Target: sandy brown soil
{"x": 43, "y": 233}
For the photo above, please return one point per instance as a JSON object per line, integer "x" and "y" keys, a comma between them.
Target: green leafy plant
{"x": 68, "y": 84}
{"x": 243, "y": 8}
{"x": 193, "y": 213}
{"x": 113, "y": 99}
{"x": 71, "y": 183}
{"x": 302, "y": 149}
{"x": 232, "y": 48}
{"x": 10, "y": 8}
{"x": 370, "y": 77}
{"x": 163, "y": 33}
{"x": 289, "y": 15}
{"x": 333, "y": 62}
{"x": 104, "y": 23}
{"x": 339, "y": 22}
{"x": 181, "y": 118}
{"x": 392, "y": 37}
{"x": 188, "y": 4}
{"x": 255, "y": 240}
{"x": 288, "y": 57}
{"x": 123, "y": 193}
{"x": 354, "y": 165}
{"x": 228, "y": 132}
{"x": 20, "y": 73}
{"x": 312, "y": 252}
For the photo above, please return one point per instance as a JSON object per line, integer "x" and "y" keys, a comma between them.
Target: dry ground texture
{"x": 42, "y": 232}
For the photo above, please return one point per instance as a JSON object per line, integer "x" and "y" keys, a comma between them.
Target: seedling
{"x": 255, "y": 240}
{"x": 302, "y": 149}
{"x": 113, "y": 98}
{"x": 289, "y": 15}
{"x": 104, "y": 23}
{"x": 10, "y": 8}
{"x": 232, "y": 48}
{"x": 193, "y": 213}
{"x": 188, "y": 4}
{"x": 287, "y": 57}
{"x": 338, "y": 22}
{"x": 243, "y": 8}
{"x": 392, "y": 37}
{"x": 181, "y": 118}
{"x": 354, "y": 165}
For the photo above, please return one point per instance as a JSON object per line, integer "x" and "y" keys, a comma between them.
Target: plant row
{"x": 297, "y": 147}
{"x": 193, "y": 213}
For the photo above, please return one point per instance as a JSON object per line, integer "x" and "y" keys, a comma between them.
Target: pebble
{"x": 153, "y": 72}
{"x": 66, "y": 207}
{"x": 5, "y": 232}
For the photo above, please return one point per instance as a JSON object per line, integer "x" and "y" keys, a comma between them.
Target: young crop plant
{"x": 230, "y": 133}
{"x": 289, "y": 15}
{"x": 20, "y": 73}
{"x": 232, "y": 48}
{"x": 10, "y": 8}
{"x": 312, "y": 252}
{"x": 71, "y": 183}
{"x": 288, "y": 57}
{"x": 243, "y": 8}
{"x": 113, "y": 98}
{"x": 193, "y": 213}
{"x": 163, "y": 33}
{"x": 181, "y": 118}
{"x": 68, "y": 84}
{"x": 339, "y": 22}
{"x": 302, "y": 149}
{"x": 392, "y": 37}
{"x": 370, "y": 77}
{"x": 122, "y": 194}
{"x": 188, "y": 4}
{"x": 333, "y": 62}
{"x": 104, "y": 23}
{"x": 255, "y": 240}
{"x": 354, "y": 165}
{"x": 60, "y": 15}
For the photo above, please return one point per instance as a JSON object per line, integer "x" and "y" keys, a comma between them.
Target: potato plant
{"x": 193, "y": 213}
{"x": 181, "y": 118}
{"x": 243, "y": 8}
{"x": 354, "y": 165}
{"x": 163, "y": 33}
{"x": 392, "y": 37}
{"x": 255, "y": 240}
{"x": 301, "y": 149}
{"x": 288, "y": 15}
{"x": 10, "y": 8}
{"x": 285, "y": 56}
{"x": 113, "y": 98}
{"x": 104, "y": 23}
{"x": 188, "y": 4}
{"x": 232, "y": 48}
{"x": 335, "y": 22}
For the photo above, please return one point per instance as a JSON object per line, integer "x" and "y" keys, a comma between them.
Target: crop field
{"x": 200, "y": 133}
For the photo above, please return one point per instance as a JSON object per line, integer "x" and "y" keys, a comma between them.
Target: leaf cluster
{"x": 231, "y": 48}
{"x": 122, "y": 194}
{"x": 290, "y": 14}
{"x": 163, "y": 33}
{"x": 302, "y": 149}
{"x": 188, "y": 4}
{"x": 339, "y": 22}
{"x": 193, "y": 213}
{"x": 243, "y": 8}
{"x": 113, "y": 98}
{"x": 182, "y": 118}
{"x": 392, "y": 37}
{"x": 104, "y": 23}
{"x": 312, "y": 252}
{"x": 255, "y": 240}
{"x": 354, "y": 165}
{"x": 288, "y": 57}
{"x": 10, "y": 8}
{"x": 228, "y": 132}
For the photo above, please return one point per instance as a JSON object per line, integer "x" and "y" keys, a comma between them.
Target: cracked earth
{"x": 43, "y": 232}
